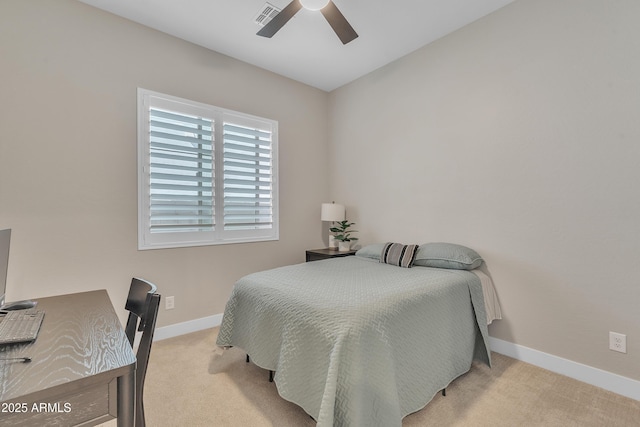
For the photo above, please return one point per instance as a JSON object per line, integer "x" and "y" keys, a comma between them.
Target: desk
{"x": 82, "y": 370}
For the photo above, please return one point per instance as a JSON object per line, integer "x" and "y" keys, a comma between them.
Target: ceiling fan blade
{"x": 339, "y": 23}
{"x": 280, "y": 19}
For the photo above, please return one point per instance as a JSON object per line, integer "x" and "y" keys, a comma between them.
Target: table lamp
{"x": 332, "y": 212}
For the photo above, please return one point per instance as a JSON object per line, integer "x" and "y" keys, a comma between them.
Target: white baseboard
{"x": 587, "y": 374}
{"x": 187, "y": 327}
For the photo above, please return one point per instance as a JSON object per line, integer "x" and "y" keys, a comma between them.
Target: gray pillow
{"x": 371, "y": 251}
{"x": 447, "y": 255}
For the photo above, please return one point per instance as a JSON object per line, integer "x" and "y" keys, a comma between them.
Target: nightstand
{"x": 326, "y": 253}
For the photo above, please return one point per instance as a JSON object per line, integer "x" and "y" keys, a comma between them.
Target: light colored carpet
{"x": 189, "y": 384}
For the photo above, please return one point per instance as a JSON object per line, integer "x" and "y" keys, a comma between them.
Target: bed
{"x": 359, "y": 342}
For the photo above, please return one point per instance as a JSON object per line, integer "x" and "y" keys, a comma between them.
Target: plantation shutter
{"x": 248, "y": 178}
{"x": 206, "y": 175}
{"x": 181, "y": 172}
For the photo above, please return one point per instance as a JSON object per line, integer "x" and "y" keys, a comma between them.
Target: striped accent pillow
{"x": 398, "y": 254}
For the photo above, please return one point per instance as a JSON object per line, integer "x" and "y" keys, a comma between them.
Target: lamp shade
{"x": 332, "y": 212}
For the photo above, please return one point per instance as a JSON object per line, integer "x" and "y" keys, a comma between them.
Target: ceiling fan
{"x": 334, "y": 17}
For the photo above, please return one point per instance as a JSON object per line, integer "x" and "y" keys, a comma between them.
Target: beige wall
{"x": 68, "y": 183}
{"x": 519, "y": 136}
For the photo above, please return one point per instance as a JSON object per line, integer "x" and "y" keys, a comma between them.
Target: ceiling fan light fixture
{"x": 329, "y": 10}
{"x": 314, "y": 4}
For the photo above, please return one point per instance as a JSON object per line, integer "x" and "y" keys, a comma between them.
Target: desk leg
{"x": 126, "y": 399}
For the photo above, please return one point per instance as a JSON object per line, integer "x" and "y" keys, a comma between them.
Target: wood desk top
{"x": 81, "y": 343}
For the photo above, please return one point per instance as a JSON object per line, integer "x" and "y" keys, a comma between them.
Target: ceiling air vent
{"x": 266, "y": 14}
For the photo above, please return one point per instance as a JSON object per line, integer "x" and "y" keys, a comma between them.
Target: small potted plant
{"x": 343, "y": 235}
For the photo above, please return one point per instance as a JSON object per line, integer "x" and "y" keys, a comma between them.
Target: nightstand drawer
{"x": 326, "y": 253}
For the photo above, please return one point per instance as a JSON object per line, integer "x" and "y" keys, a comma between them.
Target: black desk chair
{"x": 142, "y": 304}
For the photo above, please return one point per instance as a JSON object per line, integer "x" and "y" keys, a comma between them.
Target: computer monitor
{"x": 5, "y": 239}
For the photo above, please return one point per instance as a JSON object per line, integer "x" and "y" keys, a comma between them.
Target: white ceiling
{"x": 306, "y": 49}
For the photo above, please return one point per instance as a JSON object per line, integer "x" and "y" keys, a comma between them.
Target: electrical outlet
{"x": 169, "y": 303}
{"x": 617, "y": 342}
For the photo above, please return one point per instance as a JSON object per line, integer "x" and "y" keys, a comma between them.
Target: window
{"x": 206, "y": 175}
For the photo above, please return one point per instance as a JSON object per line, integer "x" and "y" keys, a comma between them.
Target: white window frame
{"x": 218, "y": 235}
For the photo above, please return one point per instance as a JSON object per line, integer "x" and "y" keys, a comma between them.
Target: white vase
{"x": 344, "y": 246}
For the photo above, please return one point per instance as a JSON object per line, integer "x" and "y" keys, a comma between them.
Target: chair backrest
{"x": 140, "y": 293}
{"x": 142, "y": 303}
{"x": 142, "y": 356}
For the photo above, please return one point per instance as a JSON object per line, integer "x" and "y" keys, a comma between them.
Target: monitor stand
{"x": 18, "y": 305}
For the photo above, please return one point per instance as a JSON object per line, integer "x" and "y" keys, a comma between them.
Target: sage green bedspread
{"x": 355, "y": 342}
